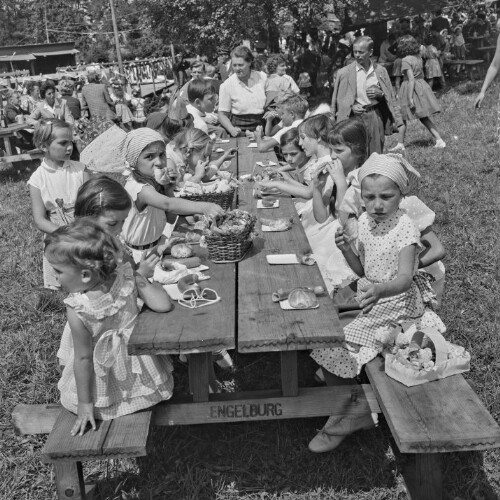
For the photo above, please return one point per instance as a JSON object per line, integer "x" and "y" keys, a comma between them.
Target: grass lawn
{"x": 270, "y": 460}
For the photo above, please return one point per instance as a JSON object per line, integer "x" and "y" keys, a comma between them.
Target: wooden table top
{"x": 246, "y": 288}
{"x": 185, "y": 330}
{"x": 12, "y": 128}
{"x": 262, "y": 324}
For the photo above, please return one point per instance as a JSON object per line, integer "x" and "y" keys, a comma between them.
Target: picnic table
{"x": 488, "y": 50}
{"x": 473, "y": 66}
{"x": 425, "y": 421}
{"x": 260, "y": 325}
{"x": 11, "y": 156}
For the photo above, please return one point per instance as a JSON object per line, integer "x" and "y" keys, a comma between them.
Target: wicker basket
{"x": 225, "y": 200}
{"x": 229, "y": 248}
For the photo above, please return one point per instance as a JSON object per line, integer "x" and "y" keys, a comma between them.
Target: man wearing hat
{"x": 363, "y": 89}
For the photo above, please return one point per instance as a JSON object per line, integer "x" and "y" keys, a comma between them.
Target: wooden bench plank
{"x": 438, "y": 417}
{"x": 181, "y": 410}
{"x": 262, "y": 324}
{"x": 128, "y": 436}
{"x": 184, "y": 330}
{"x": 267, "y": 405}
{"x": 61, "y": 445}
{"x": 122, "y": 437}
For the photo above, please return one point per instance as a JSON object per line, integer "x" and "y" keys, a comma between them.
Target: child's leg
{"x": 337, "y": 428}
{"x": 401, "y": 138}
{"x": 429, "y": 124}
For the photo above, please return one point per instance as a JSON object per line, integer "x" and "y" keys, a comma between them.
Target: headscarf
{"x": 134, "y": 143}
{"x": 393, "y": 166}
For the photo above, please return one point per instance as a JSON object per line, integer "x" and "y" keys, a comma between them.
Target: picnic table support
{"x": 199, "y": 366}
{"x": 423, "y": 479}
{"x": 69, "y": 480}
{"x": 289, "y": 374}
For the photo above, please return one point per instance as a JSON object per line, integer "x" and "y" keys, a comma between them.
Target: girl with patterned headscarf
{"x": 143, "y": 151}
{"x": 389, "y": 291}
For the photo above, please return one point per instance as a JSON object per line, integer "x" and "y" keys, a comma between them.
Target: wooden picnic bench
{"x": 7, "y": 133}
{"x": 425, "y": 421}
{"x": 474, "y": 67}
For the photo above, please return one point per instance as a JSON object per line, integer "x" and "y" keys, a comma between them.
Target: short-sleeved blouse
{"x": 380, "y": 244}
{"x": 58, "y": 183}
{"x": 239, "y": 98}
{"x": 415, "y": 64}
{"x": 145, "y": 227}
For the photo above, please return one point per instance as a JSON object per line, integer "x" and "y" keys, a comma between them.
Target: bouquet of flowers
{"x": 415, "y": 356}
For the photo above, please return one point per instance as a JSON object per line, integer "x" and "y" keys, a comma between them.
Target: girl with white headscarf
{"x": 389, "y": 290}
{"x": 143, "y": 151}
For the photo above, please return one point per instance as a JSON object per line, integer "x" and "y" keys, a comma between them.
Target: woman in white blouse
{"x": 242, "y": 96}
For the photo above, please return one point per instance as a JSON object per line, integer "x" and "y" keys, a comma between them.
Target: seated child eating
{"x": 390, "y": 290}
{"x": 292, "y": 109}
{"x": 202, "y": 100}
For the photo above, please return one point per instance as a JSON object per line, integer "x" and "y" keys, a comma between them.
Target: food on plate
{"x": 302, "y": 298}
{"x": 174, "y": 240}
{"x": 173, "y": 265}
{"x": 181, "y": 251}
{"x": 277, "y": 224}
{"x": 268, "y": 202}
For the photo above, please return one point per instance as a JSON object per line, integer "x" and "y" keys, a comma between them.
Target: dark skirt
{"x": 246, "y": 122}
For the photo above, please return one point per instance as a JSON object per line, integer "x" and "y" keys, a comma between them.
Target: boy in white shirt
{"x": 202, "y": 100}
{"x": 292, "y": 109}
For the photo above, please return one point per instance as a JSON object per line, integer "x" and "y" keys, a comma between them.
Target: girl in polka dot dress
{"x": 390, "y": 290}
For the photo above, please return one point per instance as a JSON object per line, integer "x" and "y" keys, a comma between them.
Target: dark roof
{"x": 39, "y": 48}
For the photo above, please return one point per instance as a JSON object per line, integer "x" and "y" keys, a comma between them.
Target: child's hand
{"x": 148, "y": 262}
{"x": 319, "y": 180}
{"x": 235, "y": 131}
{"x": 335, "y": 168}
{"x": 211, "y": 210}
{"x": 172, "y": 174}
{"x": 270, "y": 115}
{"x": 85, "y": 416}
{"x": 341, "y": 240}
{"x": 268, "y": 184}
{"x": 200, "y": 168}
{"x": 229, "y": 153}
{"x": 250, "y": 135}
{"x": 370, "y": 297}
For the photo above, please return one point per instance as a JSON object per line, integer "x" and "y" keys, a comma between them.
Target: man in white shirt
{"x": 364, "y": 89}
{"x": 291, "y": 109}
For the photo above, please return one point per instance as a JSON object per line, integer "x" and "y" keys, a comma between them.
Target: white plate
{"x": 221, "y": 141}
{"x": 219, "y": 150}
{"x": 252, "y": 145}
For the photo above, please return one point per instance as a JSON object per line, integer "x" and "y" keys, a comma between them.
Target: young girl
{"x": 388, "y": 292}
{"x": 416, "y": 99}
{"x": 100, "y": 380}
{"x": 54, "y": 184}
{"x": 321, "y": 176}
{"x": 144, "y": 152}
{"x": 431, "y": 56}
{"x": 106, "y": 202}
{"x": 194, "y": 148}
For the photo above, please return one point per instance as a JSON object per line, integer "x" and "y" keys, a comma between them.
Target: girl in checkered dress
{"x": 100, "y": 380}
{"x": 390, "y": 290}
